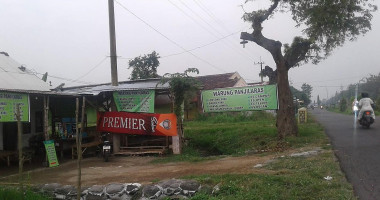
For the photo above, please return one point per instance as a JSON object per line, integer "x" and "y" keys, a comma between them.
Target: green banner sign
{"x": 240, "y": 99}
{"x": 8, "y": 106}
{"x": 135, "y": 100}
{"x": 51, "y": 154}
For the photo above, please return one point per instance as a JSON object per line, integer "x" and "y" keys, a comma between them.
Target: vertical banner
{"x": 135, "y": 100}
{"x": 8, "y": 105}
{"x": 240, "y": 99}
{"x": 51, "y": 154}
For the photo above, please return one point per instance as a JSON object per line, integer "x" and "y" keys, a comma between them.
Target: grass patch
{"x": 292, "y": 178}
{"x": 8, "y": 193}
{"x": 226, "y": 134}
{"x": 284, "y": 178}
{"x": 240, "y": 134}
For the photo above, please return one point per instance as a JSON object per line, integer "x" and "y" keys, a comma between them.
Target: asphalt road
{"x": 358, "y": 151}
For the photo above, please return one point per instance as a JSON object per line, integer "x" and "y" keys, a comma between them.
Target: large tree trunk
{"x": 286, "y": 120}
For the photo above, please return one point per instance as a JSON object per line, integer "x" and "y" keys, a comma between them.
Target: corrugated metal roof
{"x": 152, "y": 84}
{"x": 12, "y": 78}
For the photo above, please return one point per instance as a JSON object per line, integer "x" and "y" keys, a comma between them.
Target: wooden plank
{"x": 143, "y": 147}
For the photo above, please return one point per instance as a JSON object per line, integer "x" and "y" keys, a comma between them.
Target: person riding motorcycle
{"x": 366, "y": 104}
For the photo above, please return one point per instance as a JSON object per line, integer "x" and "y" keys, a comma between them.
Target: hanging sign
{"x": 51, "y": 154}
{"x": 8, "y": 106}
{"x": 137, "y": 123}
{"x": 135, "y": 100}
{"x": 240, "y": 99}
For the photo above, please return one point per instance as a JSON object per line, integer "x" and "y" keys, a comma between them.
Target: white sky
{"x": 70, "y": 39}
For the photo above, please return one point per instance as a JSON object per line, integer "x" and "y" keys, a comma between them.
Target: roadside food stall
{"x": 129, "y": 112}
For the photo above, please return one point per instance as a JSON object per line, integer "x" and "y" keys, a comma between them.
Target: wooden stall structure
{"x": 137, "y": 97}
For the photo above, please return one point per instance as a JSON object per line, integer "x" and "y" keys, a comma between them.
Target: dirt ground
{"x": 136, "y": 169}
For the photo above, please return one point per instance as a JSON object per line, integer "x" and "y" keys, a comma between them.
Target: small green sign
{"x": 51, "y": 154}
{"x": 8, "y": 106}
{"x": 135, "y": 100}
{"x": 240, "y": 99}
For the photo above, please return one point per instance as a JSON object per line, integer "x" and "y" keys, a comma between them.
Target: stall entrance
{"x": 143, "y": 144}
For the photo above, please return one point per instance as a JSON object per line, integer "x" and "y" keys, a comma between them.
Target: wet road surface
{"x": 358, "y": 151}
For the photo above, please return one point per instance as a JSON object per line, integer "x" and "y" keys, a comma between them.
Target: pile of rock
{"x": 172, "y": 189}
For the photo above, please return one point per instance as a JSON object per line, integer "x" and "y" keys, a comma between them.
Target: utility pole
{"x": 261, "y": 69}
{"x": 111, "y": 14}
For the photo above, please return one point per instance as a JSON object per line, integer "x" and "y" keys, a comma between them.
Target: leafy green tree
{"x": 326, "y": 25}
{"x": 318, "y": 101}
{"x": 301, "y": 95}
{"x": 307, "y": 89}
{"x": 181, "y": 86}
{"x": 144, "y": 66}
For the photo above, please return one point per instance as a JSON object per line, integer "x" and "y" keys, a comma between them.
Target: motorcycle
{"x": 106, "y": 150}
{"x": 366, "y": 119}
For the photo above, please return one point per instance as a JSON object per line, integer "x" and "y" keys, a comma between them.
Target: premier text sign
{"x": 137, "y": 123}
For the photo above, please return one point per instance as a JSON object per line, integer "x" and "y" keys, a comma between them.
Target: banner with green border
{"x": 240, "y": 99}
{"x": 135, "y": 100}
{"x": 51, "y": 154}
{"x": 8, "y": 106}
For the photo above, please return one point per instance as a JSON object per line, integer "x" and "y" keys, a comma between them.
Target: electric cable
{"x": 170, "y": 40}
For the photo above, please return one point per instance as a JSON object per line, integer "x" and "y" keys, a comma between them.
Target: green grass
{"x": 284, "y": 178}
{"x": 224, "y": 134}
{"x": 292, "y": 178}
{"x": 8, "y": 193}
{"x": 239, "y": 134}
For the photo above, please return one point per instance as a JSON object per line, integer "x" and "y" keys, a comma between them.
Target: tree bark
{"x": 286, "y": 120}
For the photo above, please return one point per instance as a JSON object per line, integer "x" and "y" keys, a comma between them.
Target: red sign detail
{"x": 137, "y": 123}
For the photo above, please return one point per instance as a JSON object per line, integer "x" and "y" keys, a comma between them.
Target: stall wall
{"x": 1, "y": 137}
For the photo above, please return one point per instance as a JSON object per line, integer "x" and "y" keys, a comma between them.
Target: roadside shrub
{"x": 14, "y": 194}
{"x": 343, "y": 105}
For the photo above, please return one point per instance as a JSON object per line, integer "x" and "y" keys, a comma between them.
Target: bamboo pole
{"x": 79, "y": 149}
{"x": 46, "y": 117}
{"x": 19, "y": 145}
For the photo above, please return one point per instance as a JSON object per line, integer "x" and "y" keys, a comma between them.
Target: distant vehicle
{"x": 106, "y": 147}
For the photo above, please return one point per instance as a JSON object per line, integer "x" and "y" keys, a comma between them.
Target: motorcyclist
{"x": 365, "y": 104}
{"x": 355, "y": 108}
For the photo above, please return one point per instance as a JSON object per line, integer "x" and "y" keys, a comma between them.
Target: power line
{"x": 214, "y": 18}
{"x": 170, "y": 40}
{"x": 347, "y": 78}
{"x": 195, "y": 48}
{"x": 35, "y": 73}
{"x": 189, "y": 16}
{"x": 209, "y": 25}
{"x": 92, "y": 69}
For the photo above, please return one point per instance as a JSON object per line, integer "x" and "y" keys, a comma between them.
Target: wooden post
{"x": 19, "y": 145}
{"x": 79, "y": 149}
{"x": 115, "y": 137}
{"x": 46, "y": 117}
{"x": 176, "y": 140}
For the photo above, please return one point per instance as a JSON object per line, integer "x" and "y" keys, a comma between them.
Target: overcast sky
{"x": 70, "y": 40}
